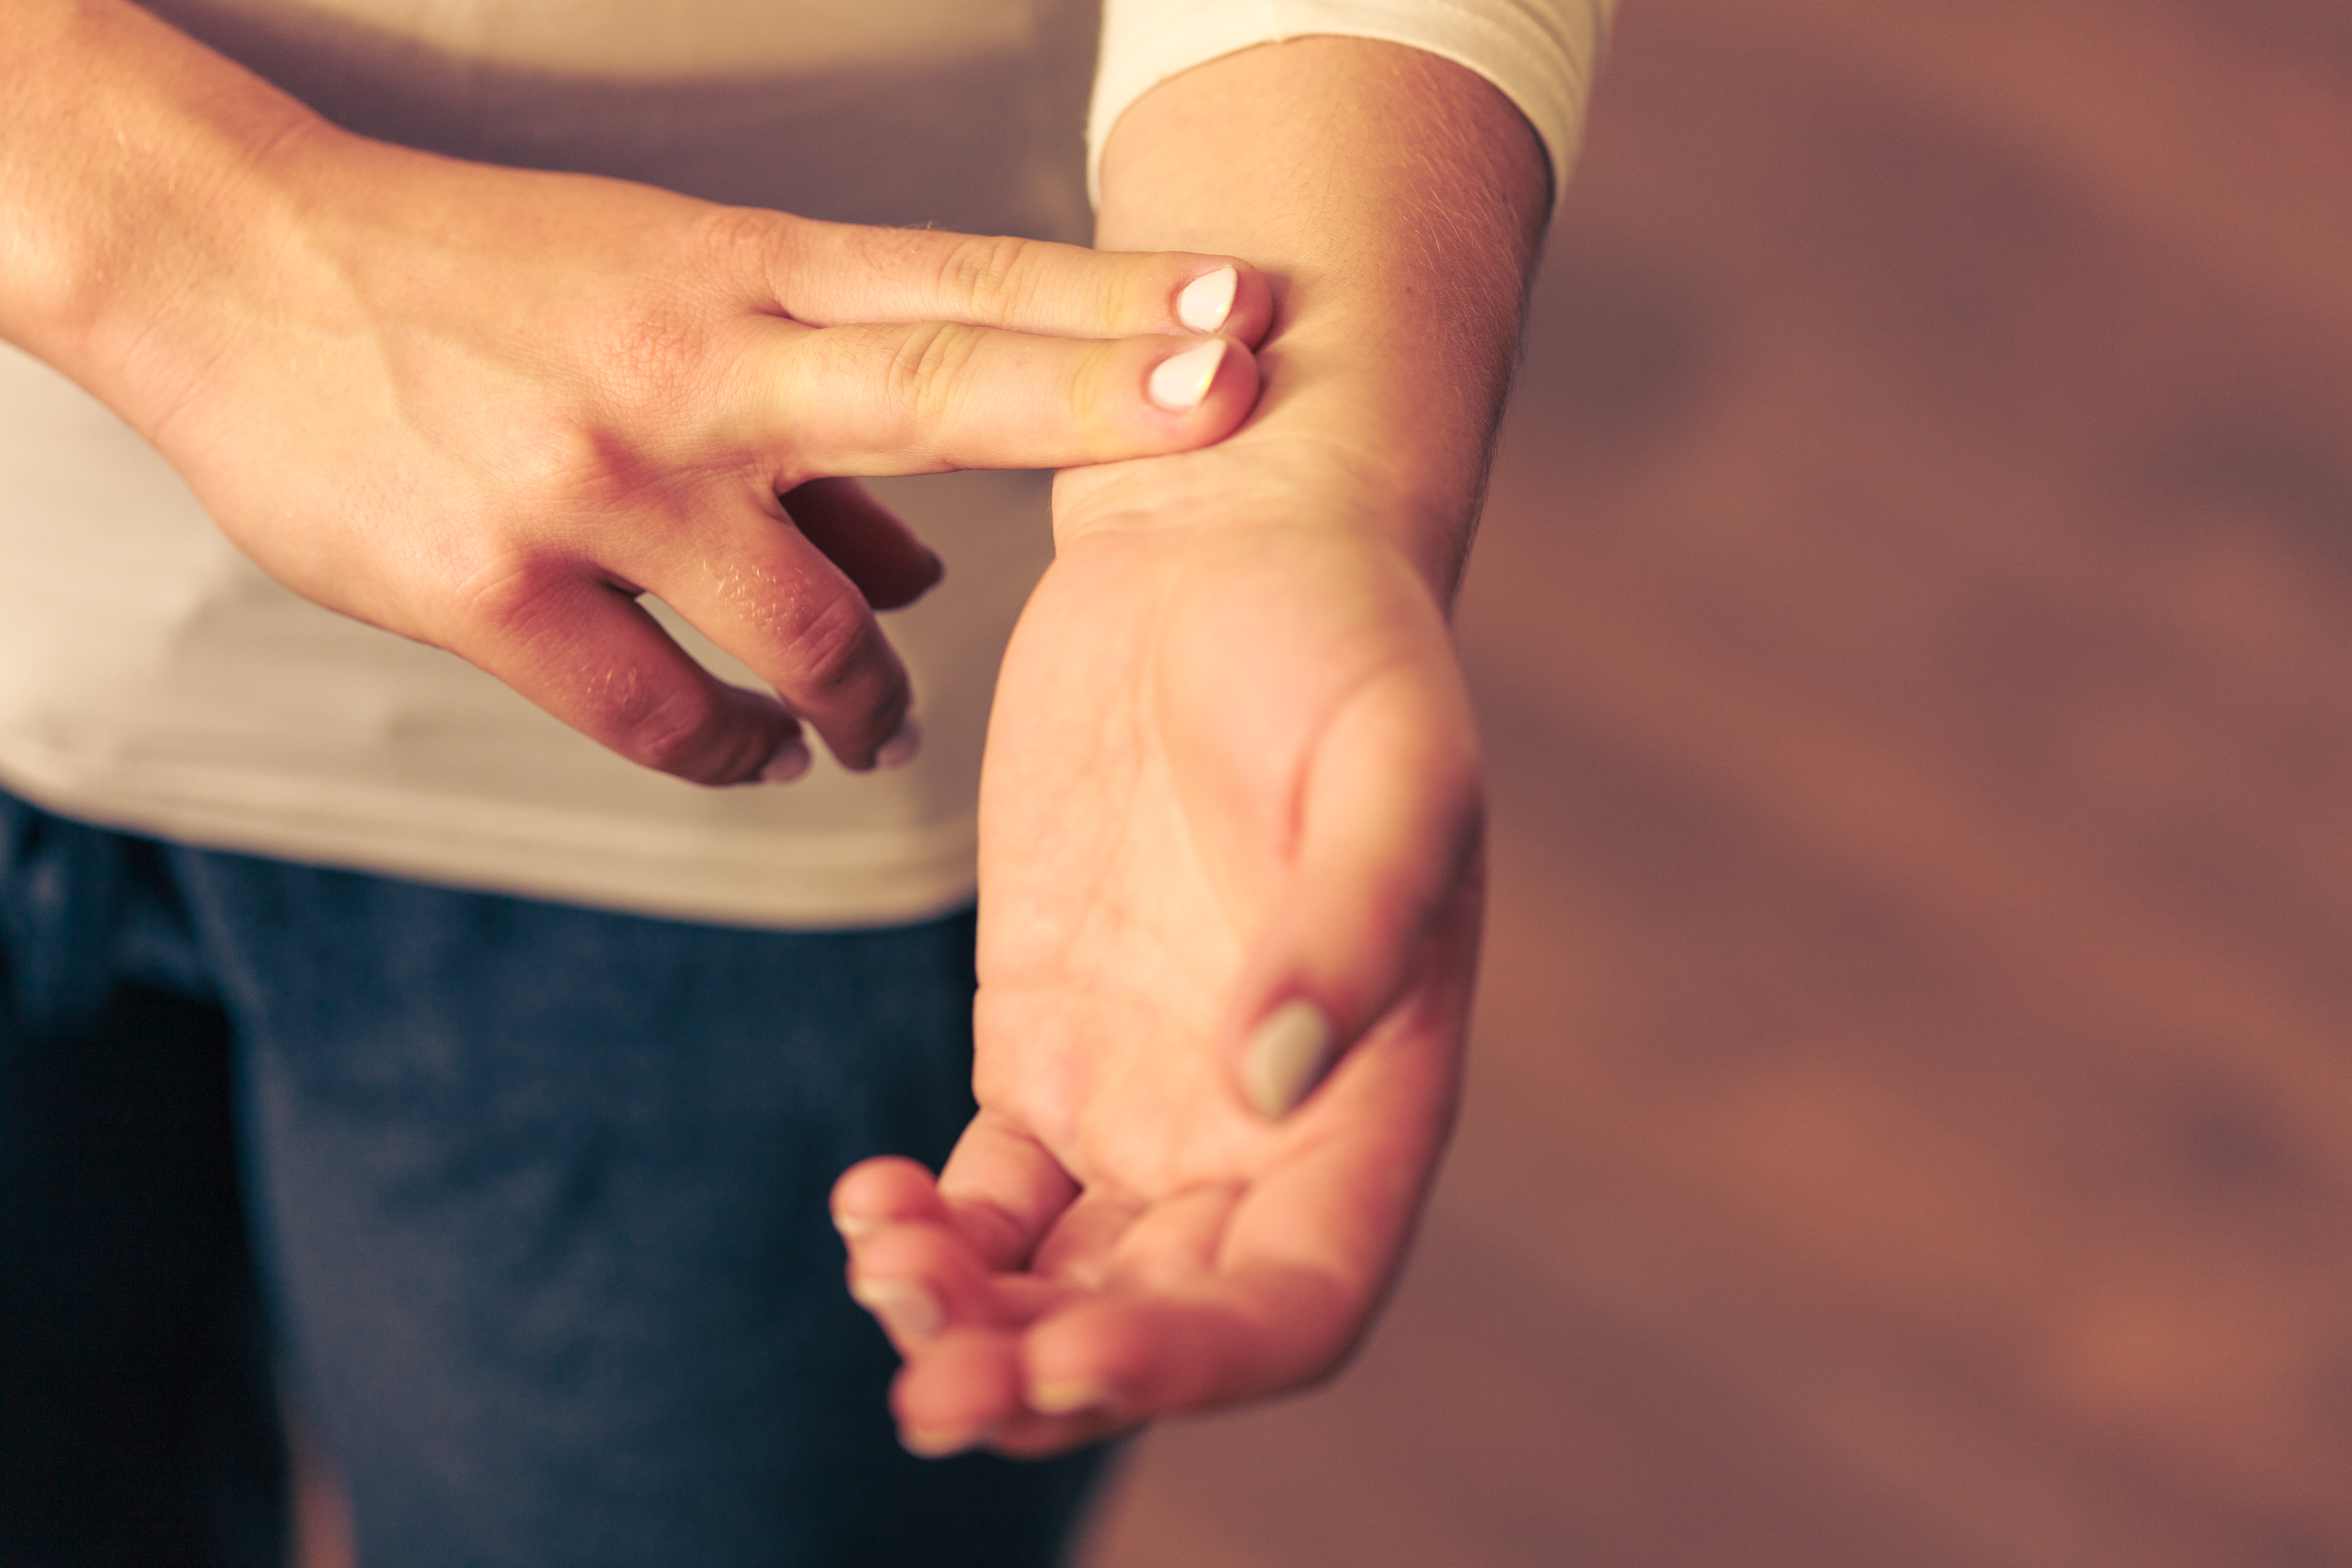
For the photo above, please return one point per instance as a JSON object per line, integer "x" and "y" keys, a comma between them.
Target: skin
{"x": 1232, "y": 764}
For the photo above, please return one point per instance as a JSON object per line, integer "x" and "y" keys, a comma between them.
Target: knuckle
{"x": 987, "y": 277}
{"x": 749, "y": 244}
{"x": 650, "y": 360}
{"x": 672, "y": 731}
{"x": 510, "y": 593}
{"x": 831, "y": 641}
{"x": 927, "y": 374}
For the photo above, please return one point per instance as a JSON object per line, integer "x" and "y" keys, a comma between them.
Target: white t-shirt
{"x": 153, "y": 679}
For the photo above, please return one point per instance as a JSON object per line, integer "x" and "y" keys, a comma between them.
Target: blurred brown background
{"x": 1911, "y": 1120}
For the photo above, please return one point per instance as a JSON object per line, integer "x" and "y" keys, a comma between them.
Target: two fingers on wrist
{"x": 906, "y": 351}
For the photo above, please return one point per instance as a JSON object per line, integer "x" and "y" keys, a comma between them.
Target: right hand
{"x": 487, "y": 408}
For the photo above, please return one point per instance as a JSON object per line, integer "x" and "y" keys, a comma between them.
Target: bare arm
{"x": 1231, "y": 819}
{"x": 1396, "y": 201}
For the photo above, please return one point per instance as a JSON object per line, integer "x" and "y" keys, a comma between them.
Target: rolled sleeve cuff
{"x": 1540, "y": 54}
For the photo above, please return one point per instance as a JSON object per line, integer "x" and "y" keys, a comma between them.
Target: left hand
{"x": 1231, "y": 770}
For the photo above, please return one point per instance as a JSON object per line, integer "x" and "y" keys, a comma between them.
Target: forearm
{"x": 1396, "y": 201}
{"x": 137, "y": 204}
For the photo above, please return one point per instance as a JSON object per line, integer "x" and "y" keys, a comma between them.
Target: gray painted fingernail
{"x": 900, "y": 749}
{"x": 786, "y": 762}
{"x": 909, "y": 1312}
{"x": 1179, "y": 382}
{"x": 1203, "y": 304}
{"x": 937, "y": 1445}
{"x": 1069, "y": 1399}
{"x": 1287, "y": 1057}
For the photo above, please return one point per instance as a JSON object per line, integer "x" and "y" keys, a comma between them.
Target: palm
{"x": 1156, "y": 719}
{"x": 1223, "y": 742}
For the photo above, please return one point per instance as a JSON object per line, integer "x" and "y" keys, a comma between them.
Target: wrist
{"x": 1263, "y": 488}
{"x": 1394, "y": 201}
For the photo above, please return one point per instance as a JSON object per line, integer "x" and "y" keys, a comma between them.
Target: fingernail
{"x": 939, "y": 1443}
{"x": 786, "y": 762}
{"x": 1069, "y": 1399}
{"x": 1287, "y": 1058}
{"x": 908, "y": 1312}
{"x": 1180, "y": 381}
{"x": 854, "y": 1228}
{"x": 1205, "y": 302}
{"x": 900, "y": 748}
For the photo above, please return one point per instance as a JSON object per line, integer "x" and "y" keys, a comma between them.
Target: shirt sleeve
{"x": 1540, "y": 53}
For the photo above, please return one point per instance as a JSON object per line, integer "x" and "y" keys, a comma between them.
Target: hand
{"x": 1230, "y": 812}
{"x": 488, "y": 408}
{"x": 1231, "y": 796}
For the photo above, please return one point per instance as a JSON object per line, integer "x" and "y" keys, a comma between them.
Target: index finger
{"x": 827, "y": 274}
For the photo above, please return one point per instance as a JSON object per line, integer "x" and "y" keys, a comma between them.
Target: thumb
{"x": 1390, "y": 829}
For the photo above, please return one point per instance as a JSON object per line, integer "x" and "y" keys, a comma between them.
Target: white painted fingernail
{"x": 900, "y": 749}
{"x": 908, "y": 1312}
{"x": 1207, "y": 301}
{"x": 786, "y": 762}
{"x": 1287, "y": 1058}
{"x": 1182, "y": 380}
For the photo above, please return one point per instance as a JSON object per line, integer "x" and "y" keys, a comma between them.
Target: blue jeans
{"x": 526, "y": 1203}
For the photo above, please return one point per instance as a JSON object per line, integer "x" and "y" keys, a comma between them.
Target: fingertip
{"x": 906, "y": 742}
{"x": 1251, "y": 316}
{"x": 1179, "y": 383}
{"x": 1204, "y": 304}
{"x": 1201, "y": 389}
{"x": 944, "y": 1443}
{"x": 605, "y": 666}
{"x": 958, "y": 1392}
{"x": 883, "y": 735}
{"x": 887, "y": 1190}
{"x": 790, "y": 759}
{"x": 1094, "y": 1362}
{"x": 1383, "y": 905}
{"x": 1083, "y": 1395}
{"x": 1224, "y": 296}
{"x": 746, "y": 737}
{"x": 1290, "y": 1052}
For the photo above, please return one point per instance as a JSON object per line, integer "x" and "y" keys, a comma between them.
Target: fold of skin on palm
{"x": 1231, "y": 764}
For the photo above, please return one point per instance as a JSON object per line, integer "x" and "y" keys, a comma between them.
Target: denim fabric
{"x": 136, "y": 1416}
{"x": 538, "y": 1196}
